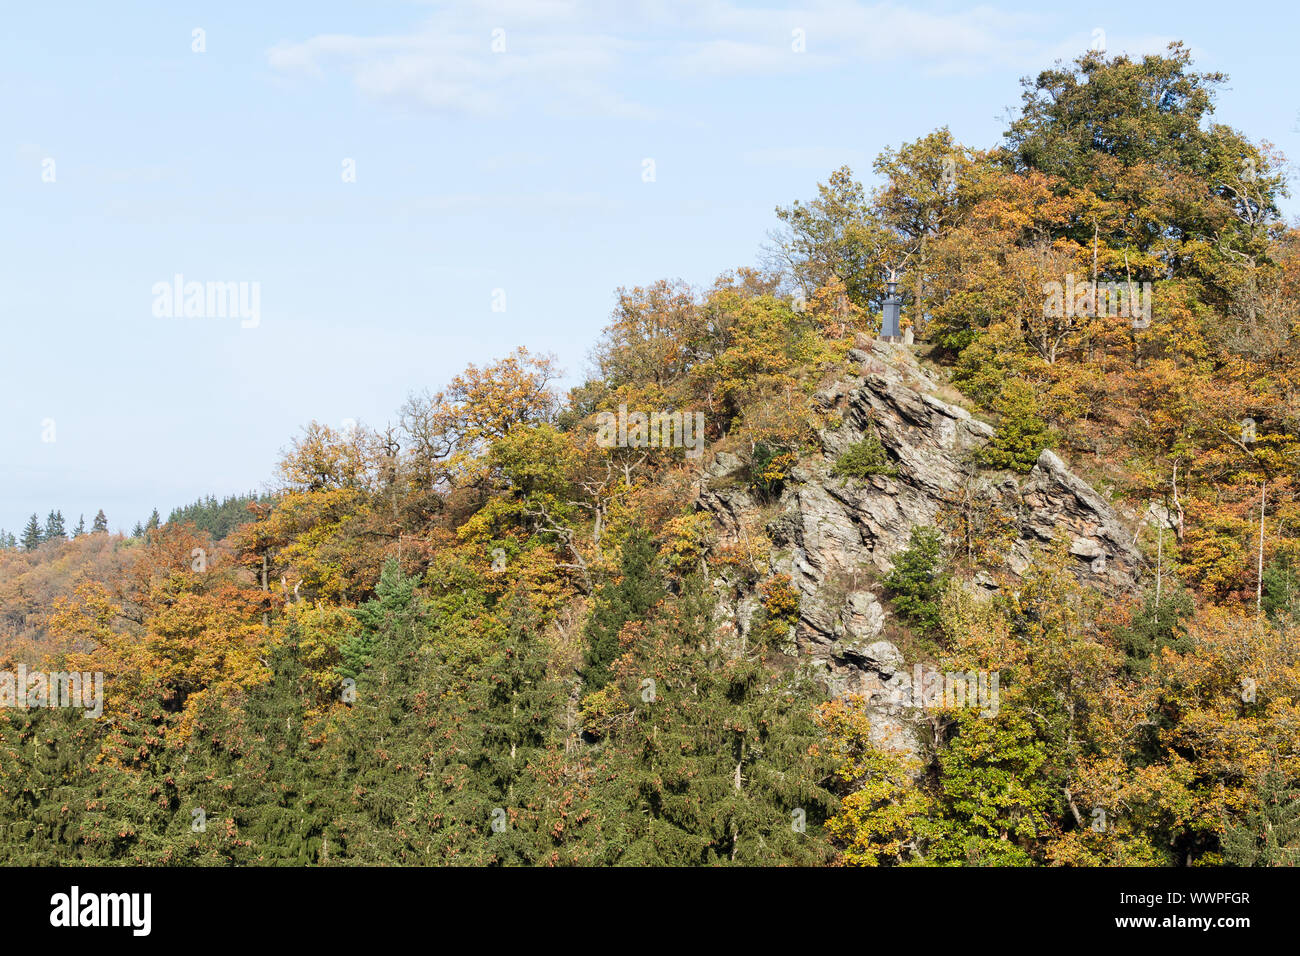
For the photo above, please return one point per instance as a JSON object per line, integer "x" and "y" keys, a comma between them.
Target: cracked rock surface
{"x": 837, "y": 537}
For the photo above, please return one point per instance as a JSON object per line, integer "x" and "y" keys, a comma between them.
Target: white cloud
{"x": 570, "y": 57}
{"x": 449, "y": 65}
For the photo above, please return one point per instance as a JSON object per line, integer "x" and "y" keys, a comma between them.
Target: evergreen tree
{"x": 154, "y": 521}
{"x": 381, "y": 753}
{"x": 1281, "y": 584}
{"x": 513, "y": 720}
{"x": 217, "y": 518}
{"x": 639, "y": 587}
{"x": 45, "y": 760}
{"x": 80, "y": 529}
{"x": 255, "y": 771}
{"x": 1021, "y": 433}
{"x": 1156, "y": 625}
{"x": 1269, "y": 836}
{"x": 138, "y": 530}
{"x": 54, "y": 528}
{"x": 918, "y": 579}
{"x": 32, "y": 536}
{"x": 711, "y": 762}
{"x": 100, "y": 523}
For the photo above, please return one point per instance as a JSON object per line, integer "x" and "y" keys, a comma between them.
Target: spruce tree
{"x": 640, "y": 586}
{"x": 1156, "y": 625}
{"x": 154, "y": 521}
{"x": 1022, "y": 432}
{"x": 32, "y": 537}
{"x": 1269, "y": 836}
{"x": 711, "y": 763}
{"x": 380, "y": 752}
{"x": 918, "y": 580}
{"x": 512, "y": 723}
{"x": 54, "y": 529}
{"x": 46, "y": 756}
{"x": 80, "y": 529}
{"x": 295, "y": 822}
{"x": 100, "y": 523}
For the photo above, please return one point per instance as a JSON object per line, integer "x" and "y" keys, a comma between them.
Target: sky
{"x": 409, "y": 188}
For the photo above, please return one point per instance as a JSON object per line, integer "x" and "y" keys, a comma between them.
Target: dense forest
{"x": 485, "y": 633}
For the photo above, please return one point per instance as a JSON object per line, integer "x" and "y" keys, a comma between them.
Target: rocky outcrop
{"x": 836, "y": 537}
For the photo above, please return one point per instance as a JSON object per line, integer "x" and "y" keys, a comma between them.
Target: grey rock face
{"x": 837, "y": 537}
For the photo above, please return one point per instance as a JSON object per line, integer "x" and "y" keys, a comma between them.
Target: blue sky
{"x": 519, "y": 170}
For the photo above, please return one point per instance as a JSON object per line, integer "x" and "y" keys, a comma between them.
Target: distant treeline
{"x": 217, "y": 518}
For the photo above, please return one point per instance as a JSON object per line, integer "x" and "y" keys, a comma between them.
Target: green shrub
{"x": 863, "y": 459}
{"x": 1021, "y": 435}
{"x": 780, "y": 610}
{"x": 769, "y": 469}
{"x": 917, "y": 583}
{"x": 1156, "y": 625}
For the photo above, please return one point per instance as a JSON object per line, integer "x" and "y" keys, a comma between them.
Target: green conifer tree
{"x": 639, "y": 587}
{"x": 54, "y": 527}
{"x": 32, "y": 536}
{"x": 1270, "y": 835}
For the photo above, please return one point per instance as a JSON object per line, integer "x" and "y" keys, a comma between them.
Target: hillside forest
{"x": 481, "y": 634}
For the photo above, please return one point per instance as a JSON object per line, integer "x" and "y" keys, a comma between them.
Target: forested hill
{"x": 511, "y": 627}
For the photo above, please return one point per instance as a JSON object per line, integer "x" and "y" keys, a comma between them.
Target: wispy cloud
{"x": 484, "y": 62}
{"x": 574, "y": 57}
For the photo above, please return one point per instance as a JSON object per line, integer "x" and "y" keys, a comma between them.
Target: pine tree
{"x": 640, "y": 586}
{"x": 380, "y": 755}
{"x": 1269, "y": 836}
{"x": 138, "y": 530}
{"x": 711, "y": 763}
{"x": 513, "y": 723}
{"x": 32, "y": 536}
{"x": 54, "y": 529}
{"x": 154, "y": 521}
{"x": 101, "y": 522}
{"x": 45, "y": 759}
{"x": 80, "y": 529}
{"x": 918, "y": 579}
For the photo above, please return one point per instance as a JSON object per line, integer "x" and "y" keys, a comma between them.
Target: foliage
{"x": 918, "y": 579}
{"x": 863, "y": 459}
{"x": 1021, "y": 434}
{"x": 479, "y": 636}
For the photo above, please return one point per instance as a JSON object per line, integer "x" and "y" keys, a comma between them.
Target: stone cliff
{"x": 836, "y": 537}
